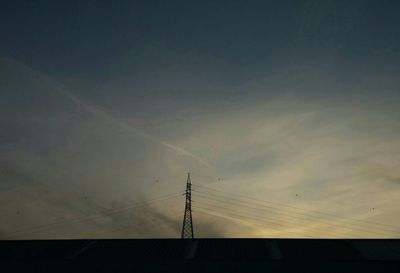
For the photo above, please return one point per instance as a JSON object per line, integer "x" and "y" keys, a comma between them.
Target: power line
{"x": 253, "y": 199}
{"x": 39, "y": 228}
{"x": 236, "y": 219}
{"x": 265, "y": 220}
{"x": 270, "y": 220}
{"x": 275, "y": 209}
{"x": 289, "y": 214}
{"x": 125, "y": 227}
{"x": 274, "y": 221}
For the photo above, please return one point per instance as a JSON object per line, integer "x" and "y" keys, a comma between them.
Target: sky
{"x": 284, "y": 112}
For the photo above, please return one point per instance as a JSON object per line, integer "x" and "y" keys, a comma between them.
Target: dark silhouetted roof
{"x": 201, "y": 255}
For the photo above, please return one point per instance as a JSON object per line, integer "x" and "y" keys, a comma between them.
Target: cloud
{"x": 338, "y": 153}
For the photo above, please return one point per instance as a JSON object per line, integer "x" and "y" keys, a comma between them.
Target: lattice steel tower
{"x": 187, "y": 226}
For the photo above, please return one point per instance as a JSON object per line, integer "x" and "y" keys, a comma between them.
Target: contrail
{"x": 100, "y": 113}
{"x": 39, "y": 76}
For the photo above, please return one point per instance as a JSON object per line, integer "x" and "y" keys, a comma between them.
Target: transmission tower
{"x": 187, "y": 226}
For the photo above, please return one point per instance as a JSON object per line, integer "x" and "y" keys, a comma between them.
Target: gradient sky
{"x": 286, "y": 113}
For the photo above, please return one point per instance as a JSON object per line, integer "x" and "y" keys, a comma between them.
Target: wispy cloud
{"x": 336, "y": 154}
